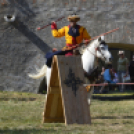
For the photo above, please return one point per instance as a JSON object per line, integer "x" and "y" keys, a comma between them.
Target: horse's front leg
{"x": 89, "y": 95}
{"x": 88, "y": 80}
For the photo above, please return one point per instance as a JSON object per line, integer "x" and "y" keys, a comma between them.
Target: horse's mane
{"x": 83, "y": 48}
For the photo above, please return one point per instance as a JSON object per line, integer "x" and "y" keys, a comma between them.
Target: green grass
{"x": 21, "y": 113}
{"x": 112, "y": 95}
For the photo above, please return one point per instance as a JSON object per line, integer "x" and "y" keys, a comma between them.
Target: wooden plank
{"x": 70, "y": 112}
{"x": 53, "y": 109}
{"x": 54, "y": 106}
{"x": 54, "y": 90}
{"x": 84, "y": 107}
{"x": 74, "y": 105}
{"x": 78, "y": 98}
{"x": 60, "y": 113}
{"x": 54, "y": 80}
{"x": 61, "y": 75}
{"x": 82, "y": 96}
{"x": 53, "y": 120}
{"x": 47, "y": 109}
{"x": 66, "y": 98}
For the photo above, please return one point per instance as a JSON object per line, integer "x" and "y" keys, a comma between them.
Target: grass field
{"x": 21, "y": 113}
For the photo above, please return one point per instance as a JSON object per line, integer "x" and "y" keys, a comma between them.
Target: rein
{"x": 94, "y": 55}
{"x": 96, "y": 52}
{"x": 91, "y": 52}
{"x": 92, "y": 75}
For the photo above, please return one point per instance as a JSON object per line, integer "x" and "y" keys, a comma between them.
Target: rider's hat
{"x": 121, "y": 52}
{"x": 73, "y": 18}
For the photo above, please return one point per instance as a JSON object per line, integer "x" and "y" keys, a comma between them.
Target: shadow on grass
{"x": 29, "y": 131}
{"x": 114, "y": 98}
{"x": 113, "y": 117}
{"x": 17, "y": 99}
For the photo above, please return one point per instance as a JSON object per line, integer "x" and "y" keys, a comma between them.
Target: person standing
{"x": 131, "y": 72}
{"x": 115, "y": 76}
{"x": 122, "y": 69}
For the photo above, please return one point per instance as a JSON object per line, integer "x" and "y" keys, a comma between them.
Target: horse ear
{"x": 99, "y": 39}
{"x": 102, "y": 38}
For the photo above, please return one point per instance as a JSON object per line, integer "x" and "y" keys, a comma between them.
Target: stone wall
{"x": 22, "y": 47}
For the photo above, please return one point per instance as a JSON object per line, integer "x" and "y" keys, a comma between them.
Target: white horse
{"x": 96, "y": 49}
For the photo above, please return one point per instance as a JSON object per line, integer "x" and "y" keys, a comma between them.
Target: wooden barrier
{"x": 67, "y": 98}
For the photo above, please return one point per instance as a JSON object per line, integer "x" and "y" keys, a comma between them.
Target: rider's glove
{"x": 86, "y": 41}
{"x": 53, "y": 25}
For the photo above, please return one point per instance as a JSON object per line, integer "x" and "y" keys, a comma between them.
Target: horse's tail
{"x": 40, "y": 73}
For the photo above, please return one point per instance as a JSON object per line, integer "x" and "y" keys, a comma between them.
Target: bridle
{"x": 96, "y": 49}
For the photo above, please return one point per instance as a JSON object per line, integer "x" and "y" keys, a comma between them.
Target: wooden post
{"x": 67, "y": 98}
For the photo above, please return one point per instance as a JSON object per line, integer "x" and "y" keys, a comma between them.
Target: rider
{"x": 74, "y": 33}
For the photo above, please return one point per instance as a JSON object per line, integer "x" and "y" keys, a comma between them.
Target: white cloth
{"x": 116, "y": 80}
{"x": 125, "y": 79}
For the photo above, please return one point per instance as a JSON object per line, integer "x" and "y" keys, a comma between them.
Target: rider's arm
{"x": 57, "y": 33}
{"x": 86, "y": 36}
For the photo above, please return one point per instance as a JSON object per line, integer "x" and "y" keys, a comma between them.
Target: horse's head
{"x": 102, "y": 51}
